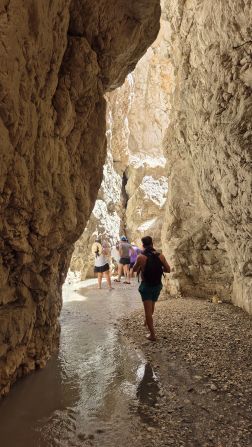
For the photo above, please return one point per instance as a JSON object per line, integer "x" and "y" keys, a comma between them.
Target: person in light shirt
{"x": 101, "y": 264}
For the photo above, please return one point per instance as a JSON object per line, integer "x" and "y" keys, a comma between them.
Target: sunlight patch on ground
{"x": 72, "y": 285}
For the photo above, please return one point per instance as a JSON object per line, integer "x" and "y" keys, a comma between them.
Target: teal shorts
{"x": 149, "y": 292}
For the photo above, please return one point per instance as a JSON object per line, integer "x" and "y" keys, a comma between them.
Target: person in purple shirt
{"x": 135, "y": 251}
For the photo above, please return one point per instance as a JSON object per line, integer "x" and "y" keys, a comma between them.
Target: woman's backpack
{"x": 153, "y": 269}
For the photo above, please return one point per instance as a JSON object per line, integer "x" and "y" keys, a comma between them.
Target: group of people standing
{"x": 147, "y": 262}
{"x": 123, "y": 254}
{"x": 127, "y": 256}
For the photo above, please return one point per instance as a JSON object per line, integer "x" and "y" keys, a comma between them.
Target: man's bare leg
{"x": 99, "y": 279}
{"x": 126, "y": 273}
{"x": 120, "y": 270}
{"x": 148, "y": 307}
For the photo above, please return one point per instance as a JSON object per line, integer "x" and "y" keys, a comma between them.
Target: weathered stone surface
{"x": 57, "y": 60}
{"x": 147, "y": 120}
{"x": 105, "y": 221}
{"x": 132, "y": 196}
{"x": 108, "y": 216}
{"x": 147, "y": 191}
{"x": 195, "y": 81}
{"x": 208, "y": 223}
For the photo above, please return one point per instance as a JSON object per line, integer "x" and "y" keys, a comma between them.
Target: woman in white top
{"x": 101, "y": 266}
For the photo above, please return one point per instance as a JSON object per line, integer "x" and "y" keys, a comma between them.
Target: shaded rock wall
{"x": 208, "y": 222}
{"x": 57, "y": 60}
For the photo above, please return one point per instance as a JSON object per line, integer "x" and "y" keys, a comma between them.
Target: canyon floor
{"x": 108, "y": 386}
{"x": 203, "y": 363}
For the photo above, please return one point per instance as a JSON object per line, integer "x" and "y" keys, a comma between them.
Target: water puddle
{"x": 94, "y": 391}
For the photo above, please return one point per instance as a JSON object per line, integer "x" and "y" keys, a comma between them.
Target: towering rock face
{"x": 108, "y": 216}
{"x": 134, "y": 188}
{"x": 57, "y": 60}
{"x": 147, "y": 184}
{"x": 207, "y": 228}
{"x": 194, "y": 82}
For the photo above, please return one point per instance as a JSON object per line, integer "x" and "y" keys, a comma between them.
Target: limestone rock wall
{"x": 57, "y": 60}
{"x": 147, "y": 184}
{"x": 147, "y": 189}
{"x": 108, "y": 216}
{"x": 134, "y": 189}
{"x": 191, "y": 89}
{"x": 208, "y": 221}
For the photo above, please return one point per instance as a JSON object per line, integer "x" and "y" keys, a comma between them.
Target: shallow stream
{"x": 91, "y": 390}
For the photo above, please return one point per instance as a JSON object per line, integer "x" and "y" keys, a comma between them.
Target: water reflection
{"x": 90, "y": 386}
{"x": 33, "y": 399}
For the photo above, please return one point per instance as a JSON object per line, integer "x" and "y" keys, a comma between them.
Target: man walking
{"x": 124, "y": 262}
{"x": 152, "y": 265}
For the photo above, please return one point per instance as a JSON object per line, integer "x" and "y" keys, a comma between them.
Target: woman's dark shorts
{"x": 124, "y": 261}
{"x": 132, "y": 265}
{"x": 149, "y": 292}
{"x": 102, "y": 269}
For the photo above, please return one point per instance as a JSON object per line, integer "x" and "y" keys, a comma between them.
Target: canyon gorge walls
{"x": 184, "y": 115}
{"x": 107, "y": 218}
{"x": 57, "y": 61}
{"x": 132, "y": 196}
{"x": 188, "y": 119}
{"x": 207, "y": 229}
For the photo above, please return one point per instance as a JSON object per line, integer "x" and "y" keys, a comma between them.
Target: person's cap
{"x": 123, "y": 238}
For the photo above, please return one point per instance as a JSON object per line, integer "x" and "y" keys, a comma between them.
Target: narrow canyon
{"x": 121, "y": 118}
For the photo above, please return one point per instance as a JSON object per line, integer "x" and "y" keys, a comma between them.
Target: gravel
{"x": 203, "y": 363}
